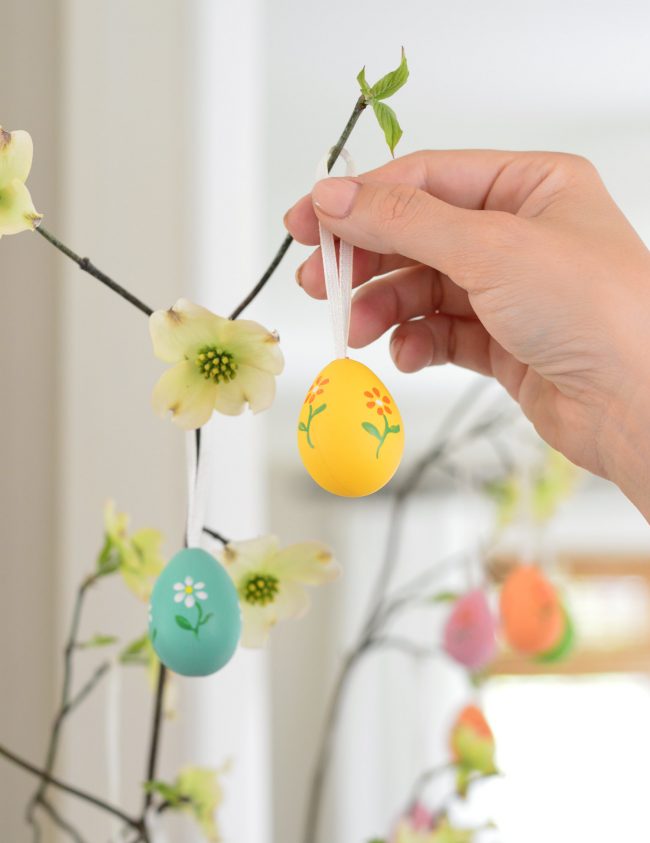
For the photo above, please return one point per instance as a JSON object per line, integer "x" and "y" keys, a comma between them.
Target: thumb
{"x": 401, "y": 219}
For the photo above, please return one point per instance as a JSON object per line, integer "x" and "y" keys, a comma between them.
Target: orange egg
{"x": 531, "y": 613}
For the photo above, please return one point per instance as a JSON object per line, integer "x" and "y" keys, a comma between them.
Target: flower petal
{"x": 310, "y": 563}
{"x": 178, "y": 333}
{"x": 189, "y": 601}
{"x": 199, "y": 585}
{"x": 178, "y": 598}
{"x": 229, "y": 398}
{"x": 184, "y": 393}
{"x": 16, "y": 152}
{"x": 178, "y": 586}
{"x": 17, "y": 212}
{"x": 292, "y": 600}
{"x": 257, "y": 622}
{"x": 202, "y": 595}
{"x": 189, "y": 580}
{"x": 253, "y": 345}
{"x": 240, "y": 558}
{"x": 257, "y": 386}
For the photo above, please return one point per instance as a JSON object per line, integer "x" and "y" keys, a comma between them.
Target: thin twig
{"x": 67, "y": 788}
{"x": 64, "y": 706}
{"x": 210, "y": 532}
{"x": 61, "y": 822}
{"x": 288, "y": 240}
{"x": 87, "y": 266}
{"x": 402, "y": 645}
{"x": 154, "y": 743}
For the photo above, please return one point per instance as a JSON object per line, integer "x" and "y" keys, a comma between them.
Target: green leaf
{"x": 394, "y": 428}
{"x": 391, "y": 82}
{"x": 168, "y": 792}
{"x": 444, "y": 597}
{"x": 184, "y": 623}
{"x": 361, "y": 79}
{"x": 387, "y": 119}
{"x": 206, "y": 618}
{"x": 98, "y": 641}
{"x": 371, "y": 429}
{"x": 136, "y": 652}
{"x": 108, "y": 560}
{"x": 319, "y": 410}
{"x": 302, "y": 426}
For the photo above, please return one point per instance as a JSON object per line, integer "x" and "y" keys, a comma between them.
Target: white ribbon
{"x": 198, "y": 480}
{"x": 338, "y": 277}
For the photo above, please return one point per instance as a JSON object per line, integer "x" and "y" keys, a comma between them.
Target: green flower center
{"x": 216, "y": 364}
{"x": 260, "y": 589}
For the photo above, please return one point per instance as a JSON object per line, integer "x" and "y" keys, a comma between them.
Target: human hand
{"x": 516, "y": 265}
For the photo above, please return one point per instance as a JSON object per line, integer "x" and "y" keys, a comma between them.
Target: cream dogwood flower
{"x": 271, "y": 581}
{"x": 17, "y": 212}
{"x": 189, "y": 592}
{"x": 220, "y": 364}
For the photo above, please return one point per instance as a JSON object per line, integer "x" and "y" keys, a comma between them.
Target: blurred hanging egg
{"x": 470, "y": 631}
{"x": 531, "y": 613}
{"x": 350, "y": 433}
{"x": 565, "y": 644}
{"x": 195, "y": 620}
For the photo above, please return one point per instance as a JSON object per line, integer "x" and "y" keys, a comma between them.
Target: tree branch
{"x": 288, "y": 240}
{"x": 86, "y": 265}
{"x": 73, "y": 791}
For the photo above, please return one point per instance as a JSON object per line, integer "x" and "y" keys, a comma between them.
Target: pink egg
{"x": 470, "y": 631}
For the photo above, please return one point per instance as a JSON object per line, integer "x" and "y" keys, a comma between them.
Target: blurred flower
{"x": 470, "y": 631}
{"x": 271, "y": 581}
{"x": 189, "y": 592}
{"x": 220, "y": 364}
{"x": 531, "y": 613}
{"x": 136, "y": 557}
{"x": 551, "y": 483}
{"x": 472, "y": 747}
{"x": 440, "y": 831}
{"x": 197, "y": 790}
{"x": 17, "y": 212}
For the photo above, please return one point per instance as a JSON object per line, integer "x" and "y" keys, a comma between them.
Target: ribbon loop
{"x": 338, "y": 275}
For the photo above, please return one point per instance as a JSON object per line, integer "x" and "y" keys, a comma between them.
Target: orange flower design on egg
{"x": 381, "y": 403}
{"x": 316, "y": 389}
{"x": 531, "y": 612}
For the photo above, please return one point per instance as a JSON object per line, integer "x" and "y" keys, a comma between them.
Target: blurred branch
{"x": 61, "y": 822}
{"x": 73, "y": 791}
{"x": 444, "y": 443}
{"x": 67, "y": 705}
{"x": 402, "y": 645}
{"x": 288, "y": 240}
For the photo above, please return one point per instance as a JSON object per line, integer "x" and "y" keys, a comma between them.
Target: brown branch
{"x": 68, "y": 788}
{"x": 87, "y": 266}
{"x": 288, "y": 240}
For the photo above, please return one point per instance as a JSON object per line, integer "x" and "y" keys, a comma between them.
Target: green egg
{"x": 195, "y": 619}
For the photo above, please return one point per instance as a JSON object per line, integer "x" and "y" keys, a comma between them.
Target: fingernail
{"x": 299, "y": 274}
{"x": 395, "y": 347}
{"x": 335, "y": 197}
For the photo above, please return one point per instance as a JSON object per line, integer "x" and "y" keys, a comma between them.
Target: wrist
{"x": 625, "y": 446}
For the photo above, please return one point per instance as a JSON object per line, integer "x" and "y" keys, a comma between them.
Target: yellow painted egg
{"x": 350, "y": 432}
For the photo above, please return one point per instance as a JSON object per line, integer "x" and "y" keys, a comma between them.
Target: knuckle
{"x": 569, "y": 165}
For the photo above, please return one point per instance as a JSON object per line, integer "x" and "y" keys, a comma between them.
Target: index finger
{"x": 474, "y": 179}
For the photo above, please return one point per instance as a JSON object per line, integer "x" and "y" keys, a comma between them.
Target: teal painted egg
{"x": 195, "y": 619}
